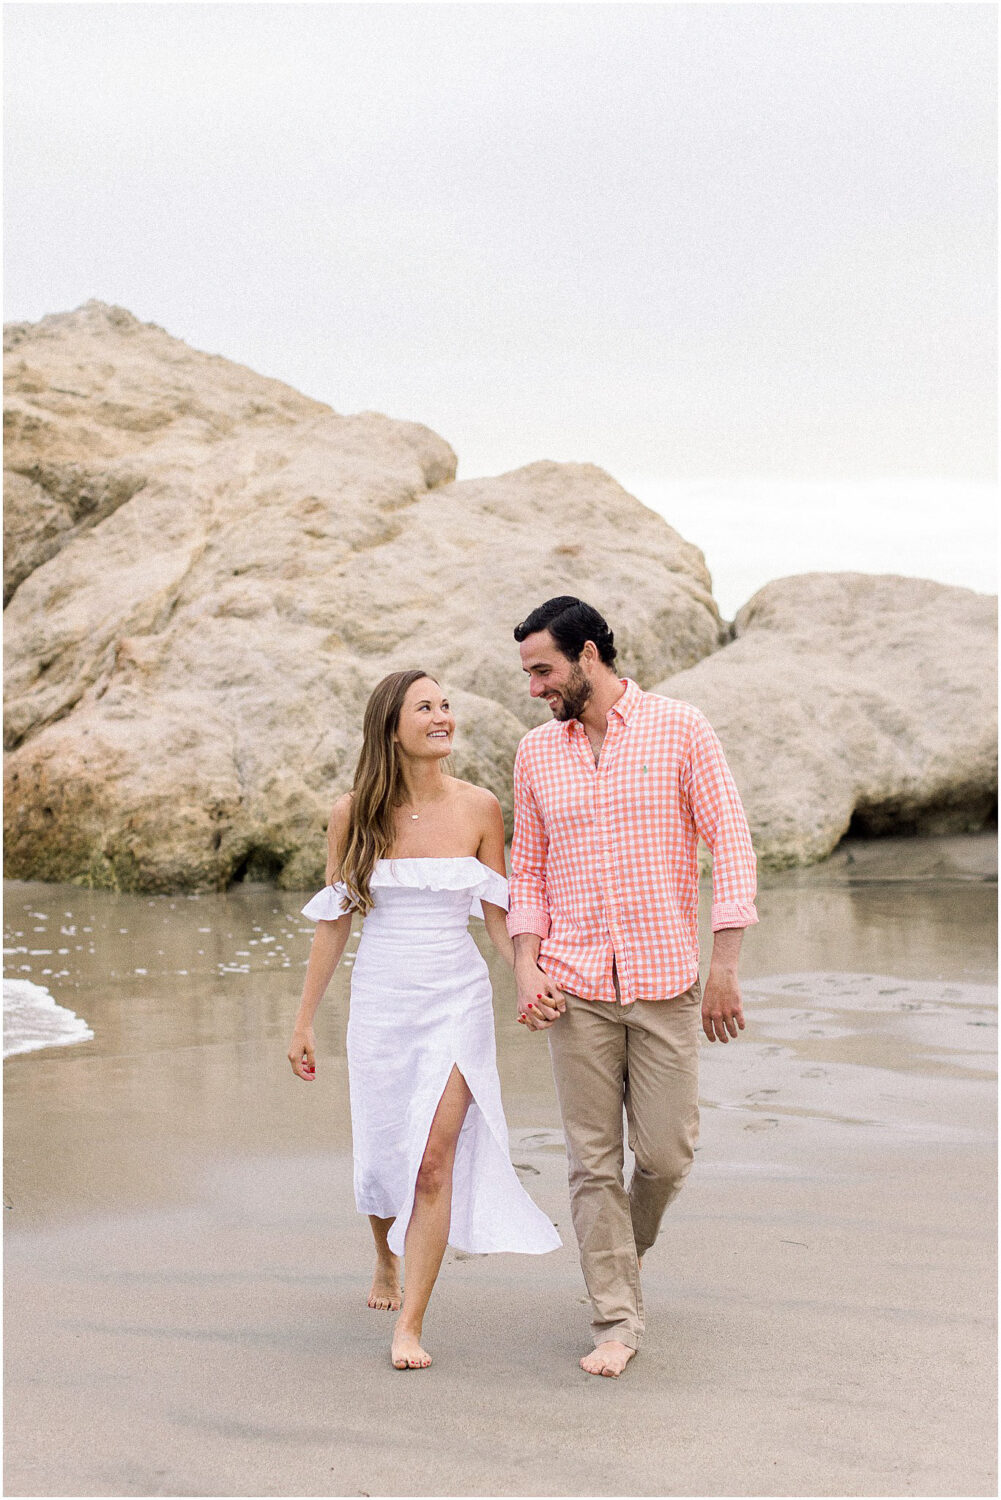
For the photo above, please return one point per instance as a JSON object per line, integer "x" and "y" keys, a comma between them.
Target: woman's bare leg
{"x": 427, "y": 1232}
{"x": 386, "y": 1293}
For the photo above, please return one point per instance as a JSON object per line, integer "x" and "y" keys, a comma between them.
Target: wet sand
{"x": 186, "y": 1274}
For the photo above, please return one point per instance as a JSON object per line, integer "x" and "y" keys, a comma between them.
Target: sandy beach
{"x": 186, "y": 1274}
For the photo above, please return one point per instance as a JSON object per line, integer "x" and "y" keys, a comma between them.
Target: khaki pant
{"x": 644, "y": 1056}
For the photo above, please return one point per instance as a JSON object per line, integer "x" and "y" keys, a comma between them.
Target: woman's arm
{"x": 329, "y": 941}
{"x": 495, "y": 918}
{"x": 491, "y": 853}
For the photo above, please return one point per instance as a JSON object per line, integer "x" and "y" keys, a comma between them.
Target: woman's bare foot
{"x": 610, "y": 1358}
{"x": 386, "y": 1294}
{"x": 407, "y": 1353}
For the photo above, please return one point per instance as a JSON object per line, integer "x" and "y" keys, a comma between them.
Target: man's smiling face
{"x": 552, "y": 676}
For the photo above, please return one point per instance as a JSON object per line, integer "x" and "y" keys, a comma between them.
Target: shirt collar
{"x": 629, "y": 702}
{"x": 623, "y": 708}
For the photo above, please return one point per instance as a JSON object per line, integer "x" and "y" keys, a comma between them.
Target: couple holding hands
{"x": 601, "y": 929}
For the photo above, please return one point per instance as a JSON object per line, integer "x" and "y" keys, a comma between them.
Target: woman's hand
{"x": 540, "y": 1003}
{"x": 302, "y": 1053}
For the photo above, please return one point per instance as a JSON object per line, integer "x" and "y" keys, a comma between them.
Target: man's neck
{"x": 606, "y": 690}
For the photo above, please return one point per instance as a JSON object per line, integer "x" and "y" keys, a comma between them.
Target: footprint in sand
{"x": 543, "y": 1140}
{"x": 768, "y": 1124}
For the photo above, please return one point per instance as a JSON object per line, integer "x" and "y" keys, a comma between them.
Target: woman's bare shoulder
{"x": 340, "y": 815}
{"x": 472, "y": 795}
{"x": 481, "y": 815}
{"x": 479, "y": 809}
{"x": 337, "y": 835}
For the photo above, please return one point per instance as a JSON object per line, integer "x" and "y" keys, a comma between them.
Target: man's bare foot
{"x": 386, "y": 1294}
{"x": 610, "y": 1358}
{"x": 407, "y": 1353}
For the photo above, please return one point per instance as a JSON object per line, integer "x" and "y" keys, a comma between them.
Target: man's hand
{"x": 722, "y": 1012}
{"x": 540, "y": 1003}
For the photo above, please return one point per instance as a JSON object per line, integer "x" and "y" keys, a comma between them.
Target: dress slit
{"x": 468, "y": 1147}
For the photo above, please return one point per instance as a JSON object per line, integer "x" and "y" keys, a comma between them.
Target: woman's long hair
{"x": 378, "y": 788}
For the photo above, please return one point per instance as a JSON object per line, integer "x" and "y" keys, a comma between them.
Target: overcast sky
{"x": 706, "y": 246}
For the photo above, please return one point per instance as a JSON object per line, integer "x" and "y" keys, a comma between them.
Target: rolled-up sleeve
{"x": 529, "y": 906}
{"x": 719, "y": 817}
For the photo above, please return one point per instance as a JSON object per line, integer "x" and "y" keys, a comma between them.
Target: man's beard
{"x": 574, "y": 697}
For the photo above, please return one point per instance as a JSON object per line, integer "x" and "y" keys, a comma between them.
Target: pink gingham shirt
{"x": 604, "y": 859}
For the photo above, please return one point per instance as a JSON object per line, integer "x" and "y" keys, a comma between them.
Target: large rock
{"x": 855, "y": 701}
{"x": 208, "y": 574}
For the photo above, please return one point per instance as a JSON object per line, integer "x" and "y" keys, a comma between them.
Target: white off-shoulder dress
{"x": 421, "y": 1004}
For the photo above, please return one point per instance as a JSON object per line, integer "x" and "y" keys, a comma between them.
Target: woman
{"x": 416, "y": 851}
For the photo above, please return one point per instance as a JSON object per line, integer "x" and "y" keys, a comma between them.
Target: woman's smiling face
{"x": 427, "y": 723}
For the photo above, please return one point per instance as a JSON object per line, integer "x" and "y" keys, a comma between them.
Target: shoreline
{"x": 186, "y": 1272}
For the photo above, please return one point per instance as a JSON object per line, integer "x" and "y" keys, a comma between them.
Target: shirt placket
{"x": 604, "y": 804}
{"x": 581, "y": 747}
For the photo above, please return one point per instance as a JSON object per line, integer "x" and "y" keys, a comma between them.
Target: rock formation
{"x": 207, "y": 573}
{"x": 849, "y": 700}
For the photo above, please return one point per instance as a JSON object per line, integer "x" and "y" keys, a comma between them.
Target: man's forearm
{"x": 726, "y": 949}
{"x": 526, "y": 950}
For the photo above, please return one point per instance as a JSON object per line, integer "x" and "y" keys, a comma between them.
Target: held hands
{"x": 540, "y": 1003}
{"x": 302, "y": 1053}
{"x": 722, "y": 1012}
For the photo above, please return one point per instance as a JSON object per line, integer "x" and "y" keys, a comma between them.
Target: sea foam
{"x": 32, "y": 1019}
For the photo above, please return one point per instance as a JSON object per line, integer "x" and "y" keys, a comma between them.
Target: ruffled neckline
{"x": 437, "y": 859}
{"x": 459, "y": 872}
{"x": 431, "y": 872}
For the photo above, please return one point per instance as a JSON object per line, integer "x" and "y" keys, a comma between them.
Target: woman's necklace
{"x": 415, "y": 815}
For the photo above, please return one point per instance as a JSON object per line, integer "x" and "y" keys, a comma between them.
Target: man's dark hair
{"x": 570, "y": 622}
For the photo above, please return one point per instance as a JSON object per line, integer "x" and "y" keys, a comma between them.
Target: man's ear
{"x": 589, "y": 652}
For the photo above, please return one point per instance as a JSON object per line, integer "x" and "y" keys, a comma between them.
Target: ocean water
{"x": 128, "y": 966}
{"x": 33, "y": 1019}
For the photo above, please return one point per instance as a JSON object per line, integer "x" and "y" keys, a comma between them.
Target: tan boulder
{"x": 209, "y": 574}
{"x": 855, "y": 701}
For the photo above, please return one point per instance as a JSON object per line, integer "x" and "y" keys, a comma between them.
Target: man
{"x": 610, "y": 800}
